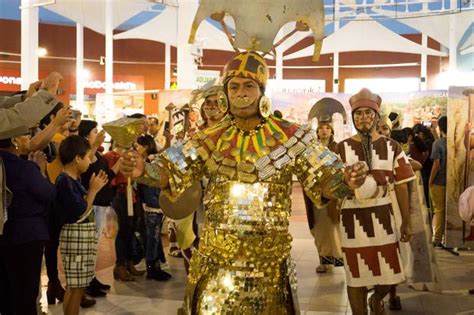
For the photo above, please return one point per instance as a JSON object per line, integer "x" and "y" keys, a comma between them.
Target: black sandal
{"x": 395, "y": 304}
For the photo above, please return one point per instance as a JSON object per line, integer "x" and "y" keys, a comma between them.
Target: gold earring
{"x": 222, "y": 102}
{"x": 265, "y": 106}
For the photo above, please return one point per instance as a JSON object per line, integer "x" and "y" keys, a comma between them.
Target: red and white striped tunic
{"x": 369, "y": 235}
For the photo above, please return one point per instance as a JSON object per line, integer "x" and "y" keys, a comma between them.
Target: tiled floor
{"x": 317, "y": 294}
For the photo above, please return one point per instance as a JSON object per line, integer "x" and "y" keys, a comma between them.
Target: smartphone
{"x": 427, "y": 123}
{"x": 167, "y": 125}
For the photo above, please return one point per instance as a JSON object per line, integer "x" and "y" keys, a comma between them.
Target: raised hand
{"x": 33, "y": 88}
{"x": 98, "y": 181}
{"x": 62, "y": 116}
{"x": 99, "y": 139}
{"x": 51, "y": 83}
{"x": 130, "y": 165}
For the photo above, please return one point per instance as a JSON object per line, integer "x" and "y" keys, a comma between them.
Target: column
{"x": 453, "y": 50}
{"x": 29, "y": 43}
{"x": 424, "y": 64}
{"x": 335, "y": 73}
{"x": 187, "y": 69}
{"x": 109, "y": 47}
{"x": 108, "y": 110}
{"x": 80, "y": 68}
{"x": 335, "y": 67}
{"x": 279, "y": 64}
{"x": 453, "y": 5}
{"x": 167, "y": 66}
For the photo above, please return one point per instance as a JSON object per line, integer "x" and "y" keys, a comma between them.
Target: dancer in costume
{"x": 324, "y": 222}
{"x": 369, "y": 239}
{"x": 243, "y": 263}
{"x": 211, "y": 114}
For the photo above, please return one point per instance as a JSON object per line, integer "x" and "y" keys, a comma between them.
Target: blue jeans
{"x": 154, "y": 246}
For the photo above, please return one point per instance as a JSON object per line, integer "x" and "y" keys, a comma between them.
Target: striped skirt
{"x": 78, "y": 246}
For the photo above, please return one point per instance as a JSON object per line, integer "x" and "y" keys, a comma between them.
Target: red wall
{"x": 147, "y": 60}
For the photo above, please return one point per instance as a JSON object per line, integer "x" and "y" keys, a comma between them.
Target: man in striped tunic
{"x": 369, "y": 236}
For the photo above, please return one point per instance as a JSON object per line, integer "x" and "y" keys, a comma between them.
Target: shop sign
{"x": 10, "y": 80}
{"x": 205, "y": 76}
{"x": 295, "y": 86}
{"x": 121, "y": 85}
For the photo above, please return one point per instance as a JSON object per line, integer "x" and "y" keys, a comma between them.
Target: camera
{"x": 74, "y": 114}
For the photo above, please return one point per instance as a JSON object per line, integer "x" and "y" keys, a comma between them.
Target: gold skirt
{"x": 240, "y": 288}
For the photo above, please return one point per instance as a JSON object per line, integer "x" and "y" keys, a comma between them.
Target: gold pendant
{"x": 270, "y": 141}
{"x": 235, "y": 152}
{"x": 246, "y": 167}
{"x": 227, "y": 171}
{"x": 224, "y": 146}
{"x": 212, "y": 166}
{"x": 217, "y": 156}
{"x": 210, "y": 144}
{"x": 265, "y": 151}
{"x": 245, "y": 177}
{"x": 251, "y": 157}
{"x": 277, "y": 135}
{"x": 203, "y": 153}
{"x": 229, "y": 162}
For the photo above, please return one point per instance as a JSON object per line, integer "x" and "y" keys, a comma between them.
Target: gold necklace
{"x": 248, "y": 132}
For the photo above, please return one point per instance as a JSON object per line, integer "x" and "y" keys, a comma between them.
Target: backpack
{"x": 466, "y": 205}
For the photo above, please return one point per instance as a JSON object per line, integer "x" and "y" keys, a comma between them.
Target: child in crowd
{"x": 155, "y": 255}
{"x": 78, "y": 234}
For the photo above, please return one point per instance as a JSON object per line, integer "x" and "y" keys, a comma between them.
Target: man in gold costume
{"x": 243, "y": 263}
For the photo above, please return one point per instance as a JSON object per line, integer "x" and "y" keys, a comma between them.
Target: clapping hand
{"x": 98, "y": 181}
{"x": 40, "y": 159}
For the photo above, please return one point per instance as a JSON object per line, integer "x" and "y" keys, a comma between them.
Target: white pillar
{"x": 424, "y": 64}
{"x": 335, "y": 73}
{"x": 109, "y": 47}
{"x": 453, "y": 50}
{"x": 453, "y": 5}
{"x": 279, "y": 63}
{"x": 186, "y": 66}
{"x": 424, "y": 6}
{"x": 29, "y": 44}
{"x": 335, "y": 67}
{"x": 80, "y": 68}
{"x": 167, "y": 66}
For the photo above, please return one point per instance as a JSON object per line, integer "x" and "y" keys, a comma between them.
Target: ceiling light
{"x": 42, "y": 52}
